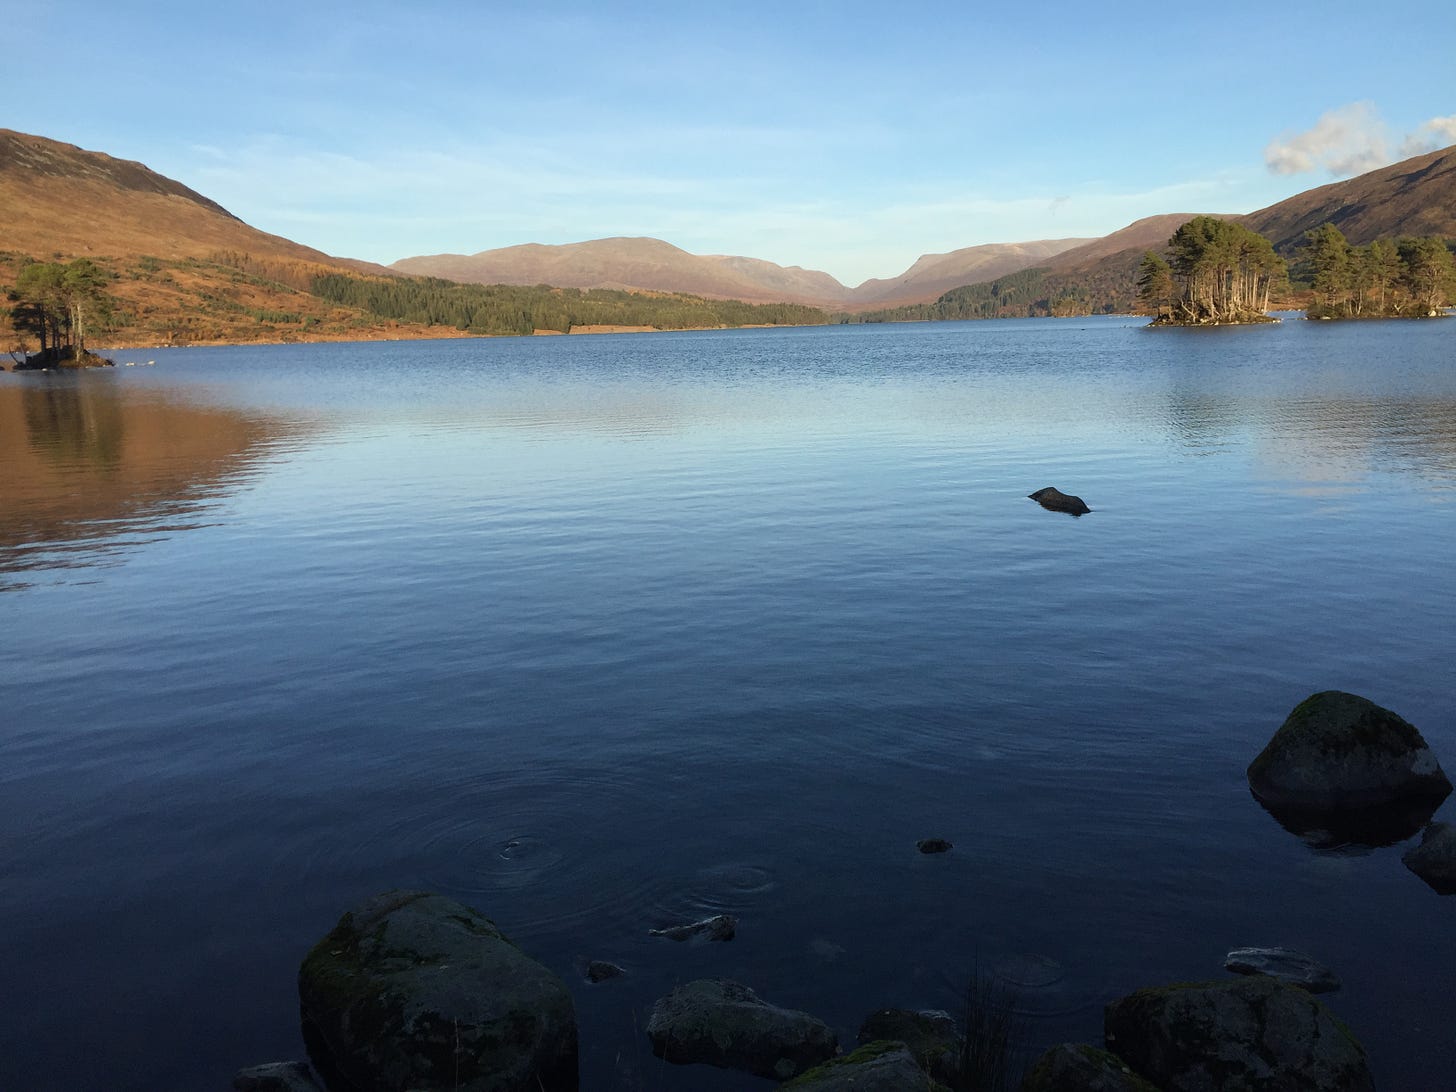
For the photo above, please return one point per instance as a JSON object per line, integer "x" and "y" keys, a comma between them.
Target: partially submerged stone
{"x": 1285, "y": 964}
{"x": 1341, "y": 752}
{"x": 276, "y": 1077}
{"x": 413, "y": 990}
{"x": 1080, "y": 1067}
{"x": 718, "y": 927}
{"x": 929, "y": 1034}
{"x": 1054, "y": 500}
{"x": 1434, "y": 860}
{"x": 880, "y": 1066}
{"x": 1236, "y": 1035}
{"x": 725, "y": 1024}
{"x": 934, "y": 845}
{"x": 600, "y": 970}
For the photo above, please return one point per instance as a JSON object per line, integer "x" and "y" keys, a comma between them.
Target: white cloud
{"x": 1352, "y": 139}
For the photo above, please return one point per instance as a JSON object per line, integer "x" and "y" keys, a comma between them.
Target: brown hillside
{"x": 1414, "y": 197}
{"x": 935, "y": 274}
{"x": 639, "y": 264}
{"x": 183, "y": 268}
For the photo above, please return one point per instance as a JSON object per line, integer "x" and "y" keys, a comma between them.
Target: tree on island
{"x": 56, "y": 303}
{"x": 1155, "y": 284}
{"x": 1220, "y": 273}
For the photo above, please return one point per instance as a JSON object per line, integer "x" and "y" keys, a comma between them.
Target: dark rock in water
{"x": 1434, "y": 860}
{"x": 723, "y": 1023}
{"x": 276, "y": 1077}
{"x": 1341, "y": 753}
{"x": 933, "y": 845}
{"x": 1294, "y": 968}
{"x": 599, "y": 970}
{"x": 1080, "y": 1067}
{"x": 1054, "y": 500}
{"x": 929, "y": 1034}
{"x": 880, "y": 1066}
{"x": 1235, "y": 1035}
{"x": 718, "y": 927}
{"x": 414, "y": 990}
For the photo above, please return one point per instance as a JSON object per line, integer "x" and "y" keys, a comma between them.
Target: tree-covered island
{"x": 57, "y": 303}
{"x": 1220, "y": 273}
{"x": 1401, "y": 278}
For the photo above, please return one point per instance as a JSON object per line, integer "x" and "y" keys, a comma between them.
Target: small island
{"x": 1403, "y": 278}
{"x": 54, "y": 302}
{"x": 1221, "y": 274}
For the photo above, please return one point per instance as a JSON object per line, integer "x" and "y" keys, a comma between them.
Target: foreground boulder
{"x": 1079, "y": 1067}
{"x": 1054, "y": 500}
{"x": 1231, "y": 1036}
{"x": 1341, "y": 751}
{"x": 1285, "y": 964}
{"x": 414, "y": 990}
{"x": 1434, "y": 860}
{"x": 723, "y": 1023}
{"x": 880, "y": 1066}
{"x": 929, "y": 1034}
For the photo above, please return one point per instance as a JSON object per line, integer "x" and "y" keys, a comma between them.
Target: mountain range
{"x": 185, "y": 268}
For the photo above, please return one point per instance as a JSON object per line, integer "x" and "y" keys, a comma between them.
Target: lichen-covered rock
{"x": 880, "y": 1066}
{"x": 414, "y": 990}
{"x": 1054, "y": 500}
{"x": 1338, "y": 750}
{"x": 929, "y": 1034}
{"x": 1434, "y": 860}
{"x": 1237, "y": 1035}
{"x": 276, "y": 1077}
{"x": 1285, "y": 964}
{"x": 723, "y": 1023}
{"x": 1080, "y": 1067}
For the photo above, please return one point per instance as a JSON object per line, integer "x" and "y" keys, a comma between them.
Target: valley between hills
{"x": 181, "y": 269}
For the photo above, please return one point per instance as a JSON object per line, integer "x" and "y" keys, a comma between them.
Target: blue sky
{"x": 846, "y": 137}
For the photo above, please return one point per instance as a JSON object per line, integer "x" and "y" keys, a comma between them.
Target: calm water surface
{"x": 604, "y": 633}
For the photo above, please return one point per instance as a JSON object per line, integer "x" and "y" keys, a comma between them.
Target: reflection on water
{"x": 89, "y": 467}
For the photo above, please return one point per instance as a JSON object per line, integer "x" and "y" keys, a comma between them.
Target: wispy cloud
{"x": 1352, "y": 139}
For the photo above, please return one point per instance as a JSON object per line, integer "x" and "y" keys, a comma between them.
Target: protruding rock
{"x": 276, "y": 1077}
{"x": 414, "y": 990}
{"x": 880, "y": 1066}
{"x": 1285, "y": 964}
{"x": 933, "y": 845}
{"x": 723, "y": 1023}
{"x": 1434, "y": 860}
{"x": 599, "y": 970}
{"x": 1080, "y": 1067}
{"x": 718, "y": 927}
{"x": 1342, "y": 763}
{"x": 929, "y": 1034}
{"x": 1054, "y": 500}
{"x": 1234, "y": 1035}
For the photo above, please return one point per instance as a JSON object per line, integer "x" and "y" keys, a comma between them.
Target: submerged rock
{"x": 1236, "y": 1035}
{"x": 934, "y": 845}
{"x": 880, "y": 1066}
{"x": 1054, "y": 500}
{"x": 1285, "y": 964}
{"x": 1434, "y": 860}
{"x": 276, "y": 1077}
{"x": 599, "y": 970}
{"x": 1340, "y": 763}
{"x": 414, "y": 990}
{"x": 929, "y": 1034}
{"x": 1080, "y": 1067}
{"x": 718, "y": 927}
{"x": 725, "y": 1024}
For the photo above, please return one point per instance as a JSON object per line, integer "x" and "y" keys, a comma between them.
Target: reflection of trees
{"x": 72, "y": 422}
{"x": 88, "y": 466}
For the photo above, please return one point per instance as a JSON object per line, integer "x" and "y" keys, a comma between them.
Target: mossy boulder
{"x": 1081, "y": 1067}
{"x": 1339, "y": 751}
{"x": 1236, "y": 1036}
{"x": 1434, "y": 860}
{"x": 726, "y": 1024}
{"x": 415, "y": 990}
{"x": 929, "y": 1034}
{"x": 880, "y": 1066}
